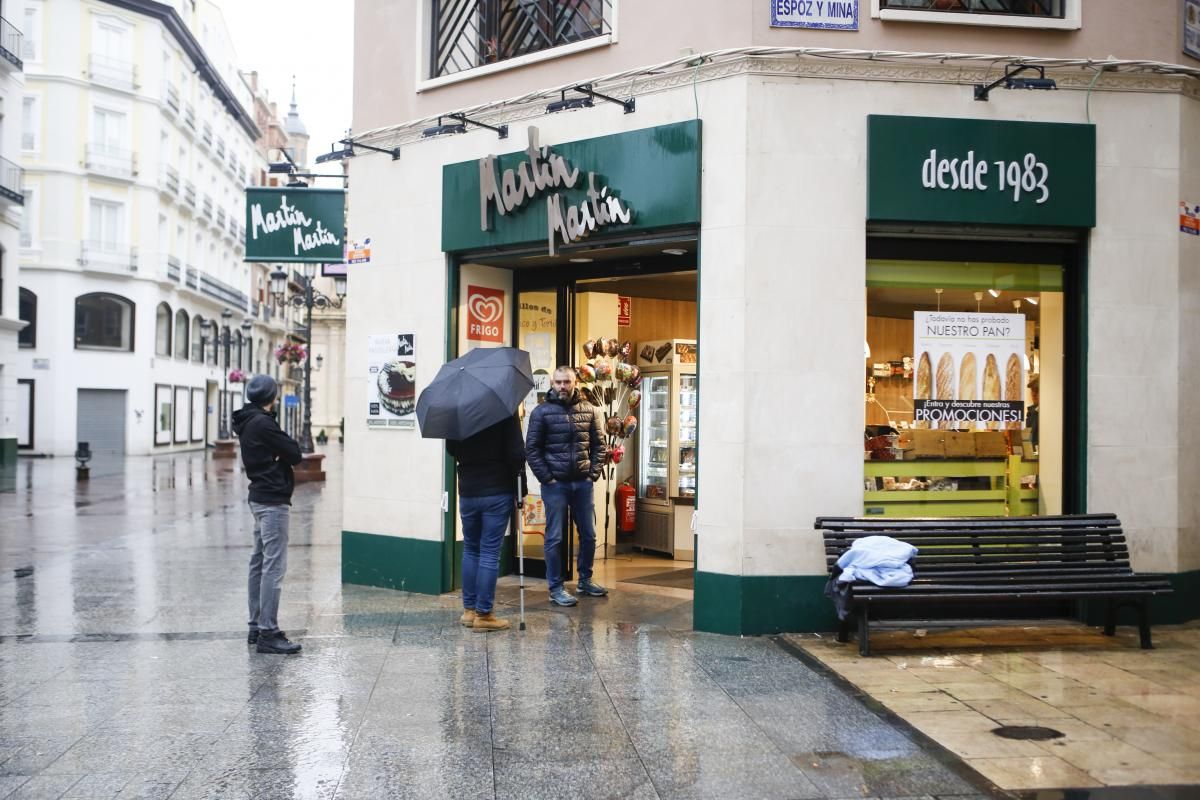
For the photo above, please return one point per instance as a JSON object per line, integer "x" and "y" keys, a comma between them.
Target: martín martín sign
{"x": 543, "y": 172}
{"x": 295, "y": 224}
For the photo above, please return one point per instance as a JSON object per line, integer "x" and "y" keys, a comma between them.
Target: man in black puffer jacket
{"x": 565, "y": 449}
{"x": 268, "y": 455}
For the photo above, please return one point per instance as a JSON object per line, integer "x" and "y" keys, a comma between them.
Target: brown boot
{"x": 468, "y": 618}
{"x": 489, "y": 622}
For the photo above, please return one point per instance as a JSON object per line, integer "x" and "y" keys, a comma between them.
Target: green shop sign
{"x": 929, "y": 169}
{"x": 295, "y": 225}
{"x": 560, "y": 194}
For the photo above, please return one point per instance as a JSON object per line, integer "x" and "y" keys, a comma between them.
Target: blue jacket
{"x": 565, "y": 441}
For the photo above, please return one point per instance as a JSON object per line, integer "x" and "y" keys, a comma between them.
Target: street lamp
{"x": 222, "y": 337}
{"x": 306, "y": 299}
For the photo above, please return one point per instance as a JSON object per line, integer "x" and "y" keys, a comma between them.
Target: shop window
{"x": 162, "y": 330}
{"x": 197, "y": 338}
{"x": 963, "y": 388}
{"x": 1016, "y": 13}
{"x": 27, "y": 308}
{"x": 103, "y": 322}
{"x": 182, "y": 331}
{"x": 474, "y": 33}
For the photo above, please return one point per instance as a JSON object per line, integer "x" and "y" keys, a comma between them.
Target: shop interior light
{"x": 1033, "y": 301}
{"x": 866, "y": 350}
{"x": 1010, "y": 81}
{"x": 675, "y": 251}
{"x": 580, "y": 260}
{"x": 994, "y": 292}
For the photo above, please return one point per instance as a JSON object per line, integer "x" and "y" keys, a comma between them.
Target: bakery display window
{"x": 963, "y": 387}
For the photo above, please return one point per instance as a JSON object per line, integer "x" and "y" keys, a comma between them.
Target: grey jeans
{"x": 268, "y": 564}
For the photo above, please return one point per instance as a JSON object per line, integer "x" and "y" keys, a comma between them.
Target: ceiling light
{"x": 675, "y": 251}
{"x": 994, "y": 292}
{"x": 581, "y": 260}
{"x": 1031, "y": 300}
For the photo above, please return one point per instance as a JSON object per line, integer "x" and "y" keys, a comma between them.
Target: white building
{"x": 138, "y": 150}
{"x": 12, "y": 131}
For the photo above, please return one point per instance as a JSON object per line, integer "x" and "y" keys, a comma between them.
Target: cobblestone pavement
{"x": 124, "y": 672}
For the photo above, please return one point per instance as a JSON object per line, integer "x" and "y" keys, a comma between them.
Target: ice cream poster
{"x": 969, "y": 370}
{"x": 392, "y": 381}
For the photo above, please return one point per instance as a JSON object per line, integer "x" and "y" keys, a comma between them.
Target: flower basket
{"x": 290, "y": 353}
{"x": 237, "y": 376}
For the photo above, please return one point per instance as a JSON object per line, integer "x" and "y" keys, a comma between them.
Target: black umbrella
{"x": 474, "y": 392}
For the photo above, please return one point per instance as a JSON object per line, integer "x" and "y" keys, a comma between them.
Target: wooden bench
{"x": 985, "y": 561}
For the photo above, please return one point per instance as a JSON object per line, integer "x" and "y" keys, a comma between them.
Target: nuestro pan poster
{"x": 970, "y": 370}
{"x": 392, "y": 381}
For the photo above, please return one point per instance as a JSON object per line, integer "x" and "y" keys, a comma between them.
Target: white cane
{"x": 521, "y": 550}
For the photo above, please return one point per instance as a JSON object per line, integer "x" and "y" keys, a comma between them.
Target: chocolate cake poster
{"x": 392, "y": 381}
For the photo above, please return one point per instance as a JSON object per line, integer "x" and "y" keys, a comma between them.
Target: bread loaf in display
{"x": 945, "y": 382}
{"x": 991, "y": 383}
{"x": 967, "y": 378}
{"x": 1013, "y": 390}
{"x": 923, "y": 389}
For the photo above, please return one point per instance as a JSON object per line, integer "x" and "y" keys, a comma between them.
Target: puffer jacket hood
{"x": 565, "y": 440}
{"x": 268, "y": 455}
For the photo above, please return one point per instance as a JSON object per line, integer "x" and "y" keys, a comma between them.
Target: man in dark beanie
{"x": 268, "y": 455}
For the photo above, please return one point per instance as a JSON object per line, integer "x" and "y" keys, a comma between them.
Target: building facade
{"x": 756, "y": 213}
{"x": 13, "y": 51}
{"x": 133, "y": 237}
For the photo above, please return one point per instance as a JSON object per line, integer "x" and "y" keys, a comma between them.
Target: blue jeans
{"x": 557, "y": 497}
{"x": 268, "y": 564}
{"x": 484, "y": 521}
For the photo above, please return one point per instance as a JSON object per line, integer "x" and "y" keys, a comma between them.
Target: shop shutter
{"x": 101, "y": 421}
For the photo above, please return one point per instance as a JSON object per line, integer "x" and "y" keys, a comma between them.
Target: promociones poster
{"x": 969, "y": 370}
{"x": 392, "y": 381}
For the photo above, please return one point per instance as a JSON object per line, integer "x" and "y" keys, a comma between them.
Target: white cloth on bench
{"x": 881, "y": 560}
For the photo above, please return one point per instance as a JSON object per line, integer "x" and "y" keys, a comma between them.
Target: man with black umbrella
{"x": 565, "y": 449}
{"x": 268, "y": 454}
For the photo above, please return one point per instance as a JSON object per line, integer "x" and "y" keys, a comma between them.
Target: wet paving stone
{"x": 124, "y": 672}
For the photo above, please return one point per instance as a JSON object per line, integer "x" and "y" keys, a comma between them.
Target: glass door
{"x": 654, "y": 448}
{"x": 686, "y": 440}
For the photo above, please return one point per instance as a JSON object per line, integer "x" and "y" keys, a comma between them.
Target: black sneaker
{"x": 590, "y": 587}
{"x": 277, "y": 643}
{"x": 252, "y": 636}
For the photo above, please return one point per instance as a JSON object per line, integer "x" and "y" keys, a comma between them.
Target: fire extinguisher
{"x": 626, "y": 498}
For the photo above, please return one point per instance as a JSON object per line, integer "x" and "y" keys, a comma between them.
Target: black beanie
{"x": 261, "y": 390}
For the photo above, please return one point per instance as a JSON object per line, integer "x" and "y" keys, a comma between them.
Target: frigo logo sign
{"x": 485, "y": 314}
{"x": 295, "y": 225}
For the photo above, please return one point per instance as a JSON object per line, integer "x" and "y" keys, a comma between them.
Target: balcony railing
{"x": 169, "y": 180}
{"x": 115, "y": 162}
{"x": 207, "y": 206}
{"x": 171, "y": 95}
{"x": 233, "y": 225}
{"x": 224, "y": 292}
{"x": 189, "y": 116}
{"x": 12, "y": 179}
{"x": 10, "y": 43}
{"x": 173, "y": 268}
{"x": 108, "y": 257}
{"x": 220, "y": 146}
{"x": 221, "y": 219}
{"x": 112, "y": 72}
{"x": 193, "y": 278}
{"x": 189, "y": 193}
{"x": 471, "y": 33}
{"x": 206, "y": 134}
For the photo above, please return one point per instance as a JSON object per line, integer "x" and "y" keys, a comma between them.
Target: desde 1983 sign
{"x": 295, "y": 224}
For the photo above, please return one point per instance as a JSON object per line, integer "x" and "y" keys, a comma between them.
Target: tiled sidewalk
{"x": 1128, "y": 716}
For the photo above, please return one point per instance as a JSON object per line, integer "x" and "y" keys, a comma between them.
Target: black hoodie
{"x": 267, "y": 454}
{"x": 490, "y": 461}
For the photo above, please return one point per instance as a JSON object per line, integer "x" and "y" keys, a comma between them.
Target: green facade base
{"x": 392, "y": 562}
{"x": 1181, "y": 606}
{"x": 736, "y": 604}
{"x": 8, "y": 452}
{"x": 741, "y": 605}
